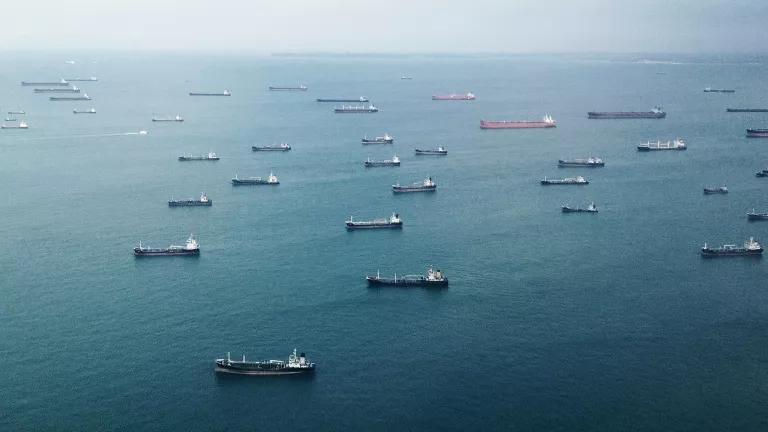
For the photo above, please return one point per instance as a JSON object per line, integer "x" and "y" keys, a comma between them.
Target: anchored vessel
{"x": 386, "y": 139}
{"x": 58, "y": 90}
{"x": 757, "y": 133}
{"x": 578, "y": 180}
{"x": 44, "y": 83}
{"x": 178, "y": 118}
{"x": 426, "y": 186}
{"x": 715, "y": 190}
{"x": 295, "y": 365}
{"x": 589, "y": 209}
{"x": 88, "y": 111}
{"x": 762, "y": 173}
{"x": 17, "y": 112}
{"x": 281, "y": 147}
{"x": 70, "y": 98}
{"x": 655, "y": 113}
{"x": 211, "y": 156}
{"x": 360, "y": 99}
{"x": 393, "y": 221}
{"x": 454, "y": 97}
{"x": 716, "y": 90}
{"x": 191, "y": 248}
{"x": 440, "y": 151}
{"x": 756, "y": 216}
{"x": 750, "y": 248}
{"x": 743, "y": 110}
{"x": 20, "y": 125}
{"x": 395, "y": 161}
{"x": 353, "y": 109}
{"x": 546, "y": 122}
{"x": 224, "y": 93}
{"x": 83, "y": 79}
{"x": 434, "y": 278}
{"x": 271, "y": 180}
{"x": 590, "y": 162}
{"x": 299, "y": 88}
{"x": 677, "y": 144}
{"x": 203, "y": 201}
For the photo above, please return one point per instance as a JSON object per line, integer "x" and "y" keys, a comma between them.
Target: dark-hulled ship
{"x": 45, "y": 83}
{"x": 361, "y": 99}
{"x": 578, "y": 180}
{"x": 433, "y": 278}
{"x": 762, "y": 173}
{"x": 393, "y": 221}
{"x": 717, "y": 90}
{"x": 753, "y": 215}
{"x": 280, "y": 147}
{"x": 425, "y": 186}
{"x": 591, "y": 208}
{"x": 715, "y": 190}
{"x": 386, "y": 139}
{"x": 757, "y": 133}
{"x": 271, "y": 180}
{"x": 84, "y": 97}
{"x": 211, "y": 156}
{"x": 203, "y": 201}
{"x": 590, "y": 162}
{"x": 296, "y": 364}
{"x": 191, "y": 248}
{"x": 745, "y": 110}
{"x": 395, "y": 161}
{"x": 440, "y": 151}
{"x": 224, "y": 93}
{"x": 356, "y": 109}
{"x": 676, "y": 144}
{"x": 655, "y": 113}
{"x": 750, "y": 248}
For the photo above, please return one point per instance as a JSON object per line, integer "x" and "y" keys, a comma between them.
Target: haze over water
{"x": 551, "y": 322}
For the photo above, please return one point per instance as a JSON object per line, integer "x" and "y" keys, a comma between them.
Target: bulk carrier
{"x": 393, "y": 221}
{"x": 425, "y": 186}
{"x": 546, "y": 122}
{"x": 655, "y": 113}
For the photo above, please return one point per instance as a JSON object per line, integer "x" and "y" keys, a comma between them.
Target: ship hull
{"x": 567, "y": 164}
{"x": 275, "y": 149}
{"x": 210, "y": 94}
{"x": 757, "y": 216}
{"x": 430, "y": 152}
{"x": 253, "y": 183}
{"x": 56, "y": 99}
{"x": 12, "y": 127}
{"x": 761, "y": 174}
{"x": 558, "y": 183}
{"x": 373, "y": 141}
{"x": 374, "y": 281}
{"x": 713, "y": 253}
{"x": 381, "y": 164}
{"x": 714, "y": 192}
{"x": 190, "y": 203}
{"x": 626, "y": 115}
{"x": 573, "y": 210}
{"x": 164, "y": 253}
{"x": 719, "y": 91}
{"x": 287, "y": 88}
{"x": 56, "y": 90}
{"x": 516, "y": 125}
{"x": 28, "y": 83}
{"x": 286, "y": 371}
{"x": 757, "y": 133}
{"x": 744, "y": 110}
{"x": 340, "y": 111}
{"x": 188, "y": 159}
{"x": 367, "y": 226}
{"x": 343, "y": 100}
{"x": 406, "y": 189}
{"x": 648, "y": 149}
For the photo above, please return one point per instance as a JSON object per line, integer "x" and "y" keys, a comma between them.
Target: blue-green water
{"x": 552, "y": 322}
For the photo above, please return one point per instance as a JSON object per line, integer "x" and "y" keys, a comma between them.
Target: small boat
{"x": 211, "y": 156}
{"x": 224, "y": 93}
{"x": 299, "y": 88}
{"x": 271, "y": 180}
{"x": 716, "y": 90}
{"x": 590, "y": 162}
{"x": 753, "y": 216}
{"x": 677, "y": 144}
{"x": 281, "y": 147}
{"x": 455, "y": 97}
{"x": 191, "y": 248}
{"x": 296, "y": 364}
{"x": 356, "y": 109}
{"x": 88, "y": 111}
{"x": 20, "y": 125}
{"x": 395, "y": 161}
{"x": 426, "y": 186}
{"x": 178, "y": 118}
{"x": 434, "y": 278}
{"x": 440, "y": 151}
{"x": 361, "y": 99}
{"x": 393, "y": 221}
{"x": 203, "y": 201}
{"x": 715, "y": 190}
{"x": 589, "y": 209}
{"x": 750, "y": 248}
{"x": 578, "y": 180}
{"x": 757, "y": 133}
{"x": 386, "y": 139}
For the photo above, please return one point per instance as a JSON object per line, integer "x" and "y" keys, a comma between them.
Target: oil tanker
{"x": 757, "y": 133}
{"x": 546, "y": 122}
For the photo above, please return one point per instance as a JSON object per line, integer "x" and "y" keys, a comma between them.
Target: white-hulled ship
{"x": 296, "y": 364}
{"x": 676, "y": 144}
{"x": 578, "y": 180}
{"x": 434, "y": 278}
{"x": 393, "y": 221}
{"x": 590, "y": 162}
{"x": 177, "y": 118}
{"x": 281, "y": 147}
{"x": 224, "y": 93}
{"x": 84, "y": 97}
{"x": 211, "y": 156}
{"x": 591, "y": 208}
{"x": 386, "y": 139}
{"x": 20, "y": 125}
{"x": 353, "y": 109}
{"x": 395, "y": 161}
{"x": 440, "y": 151}
{"x": 72, "y": 89}
{"x": 426, "y": 186}
{"x": 62, "y": 82}
{"x": 203, "y": 201}
{"x": 750, "y": 248}
{"x": 271, "y": 180}
{"x": 88, "y": 111}
{"x": 191, "y": 248}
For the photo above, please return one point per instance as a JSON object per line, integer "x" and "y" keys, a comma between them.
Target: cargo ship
{"x": 294, "y": 366}
{"x": 203, "y": 201}
{"x": 178, "y": 118}
{"x": 434, "y": 278}
{"x": 426, "y": 186}
{"x": 578, "y": 180}
{"x": 716, "y": 90}
{"x": 17, "y": 112}
{"x": 20, "y": 125}
{"x": 361, "y": 99}
{"x": 88, "y": 111}
{"x": 395, "y": 161}
{"x": 386, "y": 139}
{"x": 211, "y": 156}
{"x": 89, "y": 79}
{"x": 762, "y": 173}
{"x": 353, "y": 109}
{"x": 590, "y": 162}
{"x": 677, "y": 144}
{"x": 84, "y": 97}
{"x": 546, "y": 122}
{"x": 588, "y": 209}
{"x": 715, "y": 190}
{"x": 299, "y": 88}
{"x": 655, "y": 113}
{"x": 393, "y": 221}
{"x": 224, "y": 93}
{"x": 191, "y": 248}
{"x": 58, "y": 90}
{"x": 750, "y": 248}
{"x": 743, "y": 110}
{"x": 753, "y": 215}
{"x": 454, "y": 97}
{"x": 44, "y": 83}
{"x": 271, "y": 180}
{"x": 281, "y": 147}
{"x": 440, "y": 151}
{"x": 757, "y": 133}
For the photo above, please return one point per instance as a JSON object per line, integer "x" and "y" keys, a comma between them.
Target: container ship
{"x": 44, "y": 83}
{"x": 271, "y": 180}
{"x": 296, "y": 364}
{"x": 353, "y": 109}
{"x": 361, "y": 99}
{"x": 743, "y": 110}
{"x": 84, "y": 97}
{"x": 546, "y": 122}
{"x": 715, "y": 190}
{"x": 395, "y": 161}
{"x": 20, "y": 125}
{"x": 757, "y": 133}
{"x": 58, "y": 90}
{"x": 191, "y": 248}
{"x": 578, "y": 180}
{"x": 178, "y": 118}
{"x": 88, "y": 111}
{"x": 393, "y": 221}
{"x": 590, "y": 162}
{"x": 588, "y": 209}
{"x": 203, "y": 201}
{"x": 224, "y": 93}
{"x": 454, "y": 97}
{"x": 281, "y": 147}
{"x": 299, "y": 88}
{"x": 433, "y": 278}
{"x": 440, "y": 151}
{"x": 716, "y": 90}
{"x": 89, "y": 79}
{"x": 425, "y": 186}
{"x": 750, "y": 248}
{"x": 655, "y": 113}
{"x": 386, "y": 139}
{"x": 677, "y": 144}
{"x": 211, "y": 156}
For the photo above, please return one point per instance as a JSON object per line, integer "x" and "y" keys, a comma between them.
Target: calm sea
{"x": 551, "y": 322}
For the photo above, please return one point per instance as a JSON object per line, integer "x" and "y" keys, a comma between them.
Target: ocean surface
{"x": 551, "y": 322}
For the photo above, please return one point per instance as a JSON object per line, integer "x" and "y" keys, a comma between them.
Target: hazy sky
{"x": 388, "y": 25}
